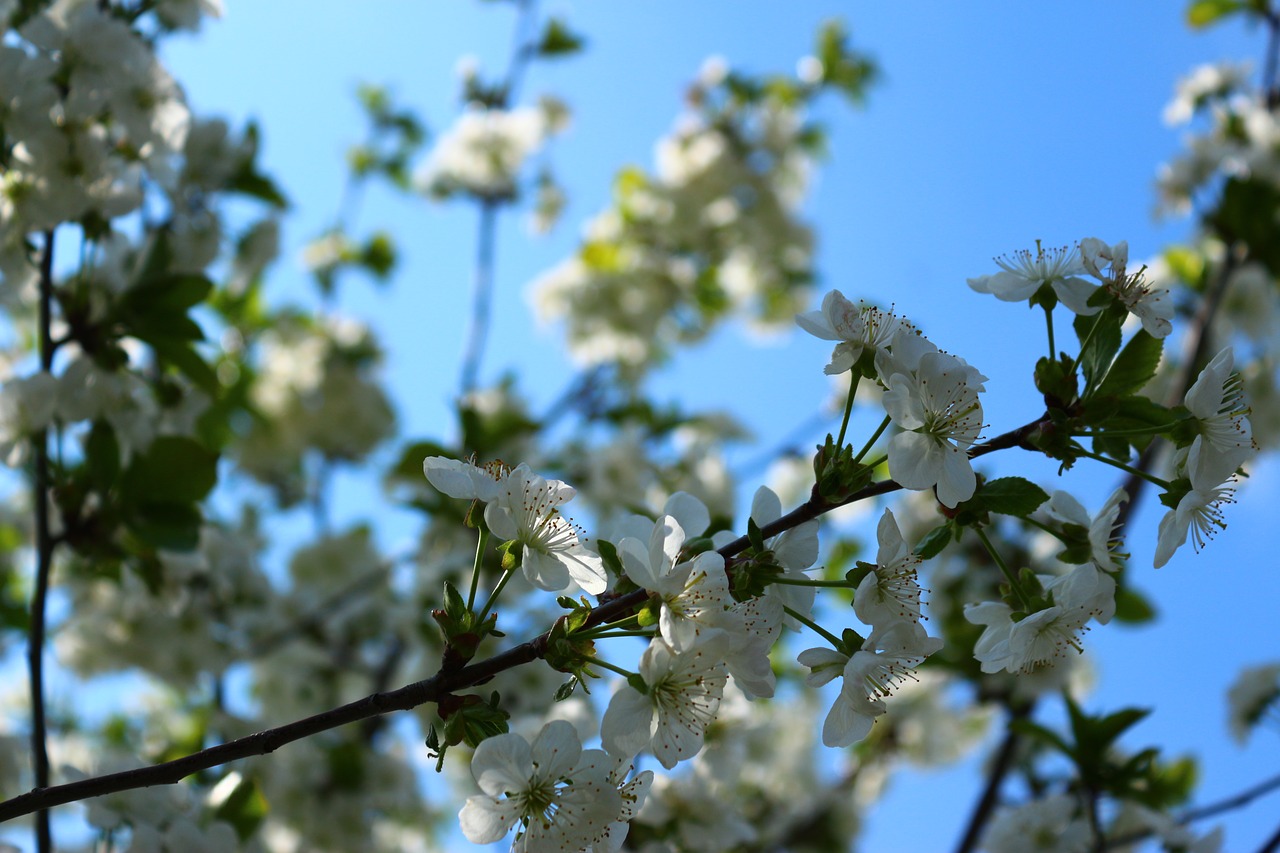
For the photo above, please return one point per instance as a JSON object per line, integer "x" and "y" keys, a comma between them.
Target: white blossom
{"x": 858, "y": 328}
{"x": 1046, "y": 825}
{"x": 890, "y": 590}
{"x": 683, "y": 694}
{"x": 1140, "y": 298}
{"x": 1023, "y": 273}
{"x": 870, "y": 675}
{"x": 555, "y": 802}
{"x": 1199, "y": 511}
{"x": 941, "y": 416}
{"x": 1253, "y": 697}
{"x": 526, "y": 510}
{"x": 694, "y": 593}
{"x": 1216, "y": 400}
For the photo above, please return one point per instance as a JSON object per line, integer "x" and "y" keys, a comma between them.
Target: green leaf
{"x": 1202, "y": 13}
{"x": 1011, "y": 496}
{"x": 1134, "y": 367}
{"x": 558, "y": 40}
{"x": 378, "y": 255}
{"x": 245, "y": 808}
{"x": 1132, "y": 607}
{"x": 182, "y": 355}
{"x": 172, "y": 526}
{"x": 933, "y": 542}
{"x": 843, "y": 69}
{"x": 1102, "y": 332}
{"x": 1038, "y": 732}
{"x": 102, "y": 455}
{"x": 248, "y": 181}
{"x": 1247, "y": 213}
{"x": 167, "y": 294}
{"x": 174, "y": 469}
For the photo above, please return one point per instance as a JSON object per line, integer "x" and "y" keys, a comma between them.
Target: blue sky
{"x": 994, "y": 124}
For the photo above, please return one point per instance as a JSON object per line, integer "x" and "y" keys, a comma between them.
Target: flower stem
{"x": 493, "y": 596}
{"x": 1004, "y": 567}
{"x": 592, "y": 659}
{"x": 855, "y": 377}
{"x": 628, "y": 624}
{"x": 1048, "y": 322}
{"x": 878, "y": 461}
{"x": 810, "y": 582}
{"x": 815, "y": 627}
{"x": 884, "y": 424}
{"x": 609, "y": 635}
{"x": 475, "y": 569}
{"x": 1116, "y": 463}
{"x": 1148, "y": 430}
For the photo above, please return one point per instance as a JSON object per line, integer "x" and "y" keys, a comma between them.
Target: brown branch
{"x": 44, "y": 560}
{"x": 411, "y": 696}
{"x": 988, "y": 799}
{"x": 1229, "y": 804}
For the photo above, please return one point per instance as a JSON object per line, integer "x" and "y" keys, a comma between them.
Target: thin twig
{"x": 1229, "y": 804}
{"x": 990, "y": 796}
{"x": 1272, "y": 844}
{"x": 481, "y": 295}
{"x": 44, "y": 560}
{"x": 482, "y": 281}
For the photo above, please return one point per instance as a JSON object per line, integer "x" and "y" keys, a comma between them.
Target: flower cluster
{"x": 714, "y": 231}
{"x": 887, "y": 599}
{"x": 485, "y": 151}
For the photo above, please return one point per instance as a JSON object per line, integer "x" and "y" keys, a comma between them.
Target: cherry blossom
{"x": 556, "y": 802}
{"x": 683, "y": 694}
{"x": 941, "y": 416}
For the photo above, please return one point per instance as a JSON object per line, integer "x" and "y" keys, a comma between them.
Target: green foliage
{"x": 1203, "y": 13}
{"x": 932, "y": 543}
{"x": 1248, "y": 214}
{"x": 842, "y": 69}
{"x": 244, "y": 806}
{"x": 1007, "y": 496}
{"x": 1132, "y": 607}
{"x": 558, "y": 40}
{"x": 1134, "y": 367}
{"x": 1100, "y": 338}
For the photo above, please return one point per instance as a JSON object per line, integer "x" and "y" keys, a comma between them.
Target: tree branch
{"x": 418, "y": 693}
{"x": 44, "y": 559}
{"x": 1000, "y": 767}
{"x": 481, "y": 295}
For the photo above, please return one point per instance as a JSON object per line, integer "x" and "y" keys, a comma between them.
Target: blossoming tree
{"x": 659, "y": 670}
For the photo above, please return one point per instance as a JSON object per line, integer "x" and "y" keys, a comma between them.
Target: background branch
{"x": 44, "y": 559}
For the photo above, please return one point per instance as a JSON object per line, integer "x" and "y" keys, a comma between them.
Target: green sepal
{"x": 564, "y": 691}
{"x": 471, "y": 720}
{"x": 851, "y": 642}
{"x": 609, "y": 555}
{"x": 1055, "y": 379}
